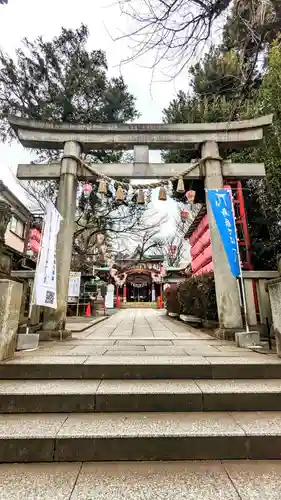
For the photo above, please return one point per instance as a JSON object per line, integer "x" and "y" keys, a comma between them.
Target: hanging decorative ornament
{"x": 87, "y": 189}
{"x": 170, "y": 189}
{"x": 130, "y": 193}
{"x": 100, "y": 238}
{"x": 180, "y": 186}
{"x": 29, "y": 253}
{"x": 111, "y": 188}
{"x": 119, "y": 194}
{"x": 141, "y": 197}
{"x": 103, "y": 249}
{"x": 190, "y": 195}
{"x": 148, "y": 196}
{"x": 102, "y": 187}
{"x": 162, "y": 194}
{"x": 184, "y": 215}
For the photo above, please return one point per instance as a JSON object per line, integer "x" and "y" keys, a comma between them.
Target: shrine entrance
{"x": 139, "y": 288}
{"x": 207, "y": 141}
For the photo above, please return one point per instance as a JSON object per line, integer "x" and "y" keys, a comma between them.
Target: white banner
{"x": 74, "y": 284}
{"x": 45, "y": 284}
{"x": 109, "y": 298}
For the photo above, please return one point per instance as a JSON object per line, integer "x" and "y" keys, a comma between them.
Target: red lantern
{"x": 190, "y": 195}
{"x": 184, "y": 215}
{"x": 87, "y": 189}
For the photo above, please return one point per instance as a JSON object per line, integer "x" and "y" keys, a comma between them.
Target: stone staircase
{"x": 138, "y": 305}
{"x": 151, "y": 408}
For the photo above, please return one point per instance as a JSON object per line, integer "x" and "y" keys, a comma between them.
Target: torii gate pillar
{"x": 227, "y": 293}
{"x": 54, "y": 319}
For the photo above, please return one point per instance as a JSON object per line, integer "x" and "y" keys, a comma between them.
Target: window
{"x": 17, "y": 227}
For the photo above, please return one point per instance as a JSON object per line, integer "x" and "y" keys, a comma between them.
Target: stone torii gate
{"x": 205, "y": 139}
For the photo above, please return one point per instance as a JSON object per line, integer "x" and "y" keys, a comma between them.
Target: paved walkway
{"x": 135, "y": 333}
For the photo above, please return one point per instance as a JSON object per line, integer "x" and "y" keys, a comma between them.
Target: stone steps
{"x": 102, "y": 396}
{"x": 138, "y": 305}
{"x": 184, "y": 480}
{"x": 140, "y": 367}
{"x": 140, "y": 436}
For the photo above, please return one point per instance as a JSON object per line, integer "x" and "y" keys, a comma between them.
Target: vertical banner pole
{"x": 240, "y": 268}
{"x": 221, "y": 202}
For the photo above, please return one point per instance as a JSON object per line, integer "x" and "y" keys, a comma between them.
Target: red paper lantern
{"x": 87, "y": 189}
{"x": 184, "y": 215}
{"x": 190, "y": 195}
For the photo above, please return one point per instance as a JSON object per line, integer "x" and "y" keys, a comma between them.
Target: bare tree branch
{"x": 177, "y": 29}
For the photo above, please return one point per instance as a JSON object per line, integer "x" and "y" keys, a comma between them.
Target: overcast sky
{"x": 30, "y": 18}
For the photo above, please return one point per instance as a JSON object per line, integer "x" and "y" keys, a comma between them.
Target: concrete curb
{"x": 93, "y": 323}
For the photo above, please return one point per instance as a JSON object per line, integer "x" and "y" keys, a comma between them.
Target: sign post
{"x": 74, "y": 284}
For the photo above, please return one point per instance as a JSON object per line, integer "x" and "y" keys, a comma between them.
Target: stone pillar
{"x": 228, "y": 300}
{"x": 5, "y": 257}
{"x": 10, "y": 292}
{"x": 10, "y": 303}
{"x": 250, "y": 301}
{"x": 25, "y": 288}
{"x": 54, "y": 320}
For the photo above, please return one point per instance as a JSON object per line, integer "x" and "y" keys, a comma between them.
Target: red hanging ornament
{"x": 190, "y": 195}
{"x": 87, "y": 189}
{"x": 184, "y": 215}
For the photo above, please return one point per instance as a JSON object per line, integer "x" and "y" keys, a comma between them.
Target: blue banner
{"x": 221, "y": 204}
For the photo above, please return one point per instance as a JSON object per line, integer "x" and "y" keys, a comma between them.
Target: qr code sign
{"x": 50, "y": 297}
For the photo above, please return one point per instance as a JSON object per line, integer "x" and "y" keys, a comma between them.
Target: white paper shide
{"x": 45, "y": 289}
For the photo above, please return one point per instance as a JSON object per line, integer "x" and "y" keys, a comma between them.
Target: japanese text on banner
{"x": 221, "y": 205}
{"x": 45, "y": 282}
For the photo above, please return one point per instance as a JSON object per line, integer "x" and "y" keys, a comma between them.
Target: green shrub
{"x": 197, "y": 297}
{"x": 172, "y": 301}
{"x": 189, "y": 298}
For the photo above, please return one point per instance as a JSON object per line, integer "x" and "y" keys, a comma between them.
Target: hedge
{"x": 172, "y": 300}
{"x": 196, "y": 296}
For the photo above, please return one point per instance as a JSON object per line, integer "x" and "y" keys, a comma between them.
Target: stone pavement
{"x": 141, "y": 333}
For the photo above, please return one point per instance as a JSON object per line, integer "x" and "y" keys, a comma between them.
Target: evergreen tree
{"x": 262, "y": 198}
{"x": 60, "y": 80}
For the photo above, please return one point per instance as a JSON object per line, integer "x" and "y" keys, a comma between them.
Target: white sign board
{"x": 45, "y": 281}
{"x": 74, "y": 284}
{"x": 109, "y": 298}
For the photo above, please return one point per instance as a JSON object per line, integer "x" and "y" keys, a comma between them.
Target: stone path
{"x": 141, "y": 333}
